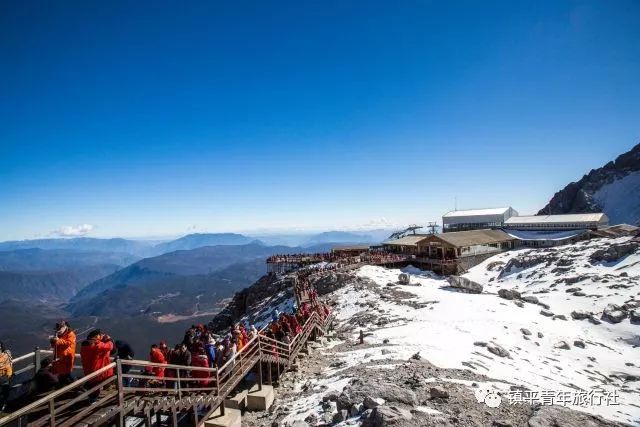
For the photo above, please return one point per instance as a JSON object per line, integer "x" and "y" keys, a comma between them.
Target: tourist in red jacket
{"x": 64, "y": 345}
{"x": 156, "y": 356}
{"x": 199, "y": 359}
{"x": 95, "y": 352}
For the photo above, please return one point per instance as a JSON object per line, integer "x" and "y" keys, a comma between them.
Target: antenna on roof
{"x": 455, "y": 203}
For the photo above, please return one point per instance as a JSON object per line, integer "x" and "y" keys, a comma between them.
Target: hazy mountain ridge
{"x": 52, "y": 286}
{"x": 136, "y": 247}
{"x": 198, "y": 240}
{"x": 613, "y": 189}
{"x": 170, "y": 295}
{"x": 200, "y": 261}
{"x": 54, "y": 275}
{"x": 36, "y": 259}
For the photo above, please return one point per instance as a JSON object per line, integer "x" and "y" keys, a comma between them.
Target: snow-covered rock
{"x": 465, "y": 285}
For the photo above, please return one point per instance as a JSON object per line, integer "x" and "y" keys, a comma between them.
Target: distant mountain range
{"x": 144, "y": 248}
{"x": 198, "y": 240}
{"x": 36, "y": 259}
{"x": 200, "y": 261}
{"x": 128, "y": 286}
{"x": 613, "y": 189}
{"x": 54, "y": 275}
{"x": 134, "y": 247}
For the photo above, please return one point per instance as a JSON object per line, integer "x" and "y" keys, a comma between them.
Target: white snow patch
{"x": 620, "y": 200}
{"x": 444, "y": 333}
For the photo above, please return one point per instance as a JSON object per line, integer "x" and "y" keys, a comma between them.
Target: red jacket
{"x": 156, "y": 356}
{"x": 65, "y": 351}
{"x": 200, "y": 361}
{"x": 95, "y": 355}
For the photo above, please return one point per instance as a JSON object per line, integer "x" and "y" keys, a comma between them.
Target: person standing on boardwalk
{"x": 95, "y": 352}
{"x": 157, "y": 356}
{"x": 64, "y": 346}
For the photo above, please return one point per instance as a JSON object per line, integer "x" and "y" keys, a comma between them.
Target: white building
{"x": 476, "y": 219}
{"x": 590, "y": 221}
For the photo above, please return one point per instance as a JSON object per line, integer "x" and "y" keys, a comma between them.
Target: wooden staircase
{"x": 176, "y": 401}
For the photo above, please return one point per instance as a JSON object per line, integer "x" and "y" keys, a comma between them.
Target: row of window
{"x": 573, "y": 225}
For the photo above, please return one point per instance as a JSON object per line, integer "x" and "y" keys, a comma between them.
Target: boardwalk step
{"x": 260, "y": 399}
{"x": 239, "y": 401}
{"x": 231, "y": 418}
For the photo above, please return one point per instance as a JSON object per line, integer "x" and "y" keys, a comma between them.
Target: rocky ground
{"x": 388, "y": 392}
{"x": 460, "y": 351}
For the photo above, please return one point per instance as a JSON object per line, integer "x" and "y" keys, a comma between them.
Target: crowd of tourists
{"x": 334, "y": 261}
{"x": 199, "y": 348}
{"x": 304, "y": 257}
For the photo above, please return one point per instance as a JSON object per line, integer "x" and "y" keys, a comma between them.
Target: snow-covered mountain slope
{"x": 613, "y": 189}
{"x": 620, "y": 199}
{"x": 508, "y": 344}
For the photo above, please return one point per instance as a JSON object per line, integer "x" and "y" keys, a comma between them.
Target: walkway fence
{"x": 189, "y": 392}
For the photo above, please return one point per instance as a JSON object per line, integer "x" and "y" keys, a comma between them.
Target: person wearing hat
{"x": 64, "y": 346}
{"x": 6, "y": 372}
{"x": 164, "y": 348}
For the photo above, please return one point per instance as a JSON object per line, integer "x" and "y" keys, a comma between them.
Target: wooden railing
{"x": 83, "y": 387}
{"x": 132, "y": 393}
{"x": 28, "y": 364}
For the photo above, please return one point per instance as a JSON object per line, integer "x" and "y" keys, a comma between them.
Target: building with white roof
{"x": 588, "y": 221}
{"x": 476, "y": 219}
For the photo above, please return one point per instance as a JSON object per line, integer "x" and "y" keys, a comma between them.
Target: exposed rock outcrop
{"x": 614, "y": 314}
{"x": 465, "y": 285}
{"x": 509, "y": 294}
{"x": 615, "y": 252}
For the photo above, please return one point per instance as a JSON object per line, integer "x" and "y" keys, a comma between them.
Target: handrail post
{"x": 179, "y": 384}
{"x": 120, "y": 385}
{"x": 218, "y": 382}
{"x": 36, "y": 359}
{"x": 52, "y": 414}
{"x": 259, "y": 363}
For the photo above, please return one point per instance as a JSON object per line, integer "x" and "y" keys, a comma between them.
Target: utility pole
{"x": 432, "y": 227}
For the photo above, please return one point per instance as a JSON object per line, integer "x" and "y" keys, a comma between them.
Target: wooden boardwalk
{"x": 176, "y": 398}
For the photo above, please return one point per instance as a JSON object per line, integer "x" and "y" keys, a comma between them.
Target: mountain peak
{"x": 613, "y": 189}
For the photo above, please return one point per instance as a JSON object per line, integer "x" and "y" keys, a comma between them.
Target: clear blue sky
{"x": 151, "y": 118}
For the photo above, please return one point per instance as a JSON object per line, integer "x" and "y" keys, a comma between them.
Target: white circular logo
{"x": 493, "y": 400}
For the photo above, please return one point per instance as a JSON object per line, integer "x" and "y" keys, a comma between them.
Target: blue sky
{"x": 159, "y": 118}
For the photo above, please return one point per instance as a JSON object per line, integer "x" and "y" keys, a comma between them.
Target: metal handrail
{"x": 223, "y": 381}
{"x": 50, "y": 397}
{"x": 134, "y": 362}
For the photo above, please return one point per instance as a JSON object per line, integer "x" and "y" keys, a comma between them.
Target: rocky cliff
{"x": 613, "y": 189}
